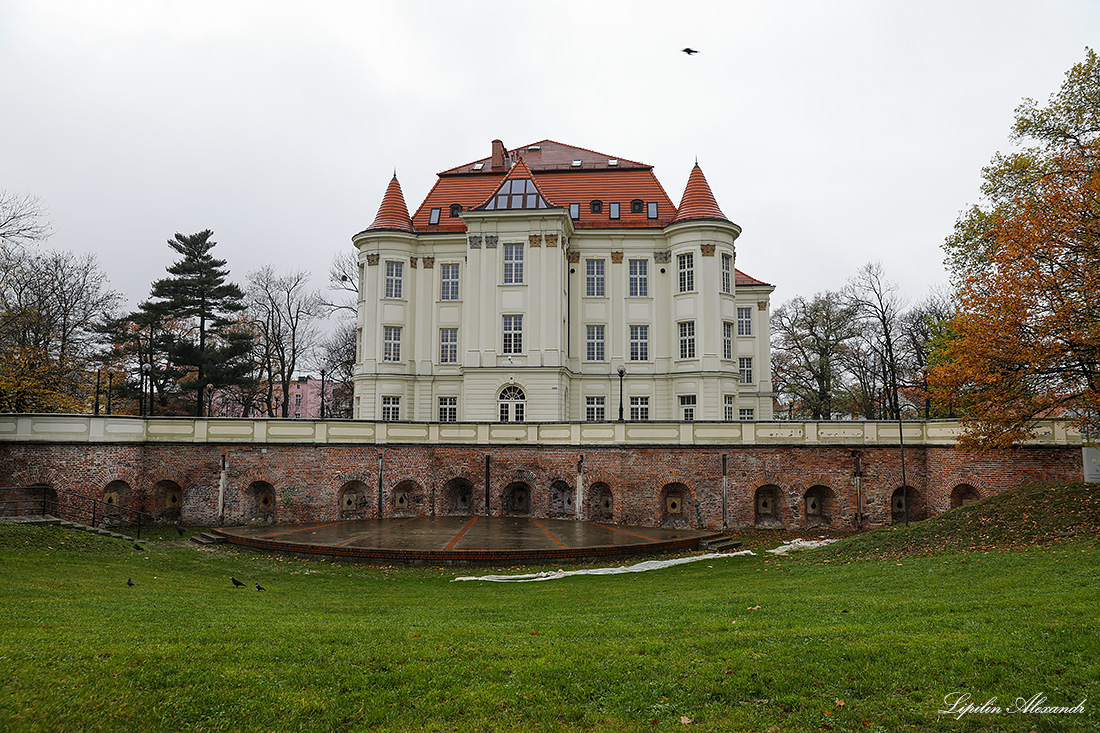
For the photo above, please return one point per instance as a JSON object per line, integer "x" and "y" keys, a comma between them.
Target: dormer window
{"x": 456, "y": 209}
{"x": 517, "y": 193}
{"x": 636, "y": 206}
{"x": 433, "y": 217}
{"x": 574, "y": 211}
{"x": 596, "y": 207}
{"x": 613, "y": 210}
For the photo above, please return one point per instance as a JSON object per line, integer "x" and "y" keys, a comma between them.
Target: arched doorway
{"x": 820, "y": 504}
{"x": 766, "y": 511}
{"x": 512, "y": 404}
{"x": 561, "y": 499}
{"x": 906, "y": 495}
{"x": 601, "y": 503}
{"x": 260, "y": 505}
{"x": 964, "y": 494}
{"x": 458, "y": 497}
{"x": 517, "y": 499}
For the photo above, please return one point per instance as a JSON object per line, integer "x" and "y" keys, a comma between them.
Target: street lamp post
{"x": 622, "y": 373}
{"x": 322, "y": 394}
{"x": 146, "y": 376}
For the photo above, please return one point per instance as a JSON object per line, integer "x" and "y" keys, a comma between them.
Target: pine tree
{"x": 211, "y": 351}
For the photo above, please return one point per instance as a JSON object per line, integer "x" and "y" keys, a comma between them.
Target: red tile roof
{"x": 740, "y": 279}
{"x": 547, "y": 155}
{"x": 698, "y": 201}
{"x": 393, "y": 214}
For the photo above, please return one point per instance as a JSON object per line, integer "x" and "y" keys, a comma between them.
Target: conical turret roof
{"x": 698, "y": 201}
{"x": 393, "y": 214}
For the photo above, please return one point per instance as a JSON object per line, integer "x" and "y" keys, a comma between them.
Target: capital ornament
{"x": 616, "y": 258}
{"x": 475, "y": 241}
{"x": 372, "y": 258}
{"x": 534, "y": 240}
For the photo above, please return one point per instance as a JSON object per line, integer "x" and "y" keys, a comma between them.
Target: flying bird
{"x": 130, "y": 582}
{"x": 689, "y": 50}
{"x": 236, "y": 582}
{"x": 260, "y": 587}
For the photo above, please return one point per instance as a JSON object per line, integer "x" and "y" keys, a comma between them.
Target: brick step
{"x": 208, "y": 538}
{"x": 720, "y": 544}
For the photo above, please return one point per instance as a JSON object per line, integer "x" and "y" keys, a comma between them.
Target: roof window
{"x": 596, "y": 207}
{"x": 574, "y": 211}
{"x": 456, "y": 209}
{"x": 636, "y": 206}
{"x": 613, "y": 210}
{"x": 517, "y": 193}
{"x": 433, "y": 218}
{"x": 612, "y": 161}
{"x": 652, "y": 212}
{"x": 534, "y": 148}
{"x": 478, "y": 166}
{"x": 575, "y": 164}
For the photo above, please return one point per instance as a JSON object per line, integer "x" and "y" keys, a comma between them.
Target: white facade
{"x": 527, "y": 317}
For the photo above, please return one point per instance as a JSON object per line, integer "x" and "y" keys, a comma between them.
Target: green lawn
{"x": 835, "y": 644}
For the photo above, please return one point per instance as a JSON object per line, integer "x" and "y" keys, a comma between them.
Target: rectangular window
{"x": 297, "y": 400}
{"x": 639, "y": 278}
{"x": 433, "y": 217}
{"x": 639, "y": 343}
{"x": 746, "y": 413}
{"x": 448, "y": 409}
{"x": 651, "y": 210}
{"x": 727, "y": 340}
{"x": 639, "y": 408}
{"x": 594, "y": 278}
{"x": 727, "y": 274}
{"x": 744, "y": 321}
{"x": 687, "y": 407}
{"x": 593, "y": 409}
{"x": 448, "y": 345}
{"x": 448, "y": 277}
{"x": 574, "y": 211}
{"x": 595, "y": 350}
{"x": 513, "y": 264}
{"x": 391, "y": 343}
{"x": 728, "y": 415}
{"x": 391, "y": 409}
{"x": 613, "y": 210}
{"x": 393, "y": 279}
{"x": 744, "y": 367}
{"x": 513, "y": 335}
{"x": 687, "y": 339}
{"x": 687, "y": 272}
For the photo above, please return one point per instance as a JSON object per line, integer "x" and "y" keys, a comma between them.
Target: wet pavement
{"x": 465, "y": 539}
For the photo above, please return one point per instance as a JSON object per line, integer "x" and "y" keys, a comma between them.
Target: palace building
{"x": 556, "y": 284}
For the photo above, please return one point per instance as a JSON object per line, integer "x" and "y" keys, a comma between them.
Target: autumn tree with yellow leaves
{"x": 1025, "y": 341}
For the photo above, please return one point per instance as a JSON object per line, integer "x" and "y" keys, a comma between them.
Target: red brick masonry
{"x": 777, "y": 486}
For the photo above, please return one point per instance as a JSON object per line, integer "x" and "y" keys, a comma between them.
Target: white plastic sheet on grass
{"x": 799, "y": 544}
{"x": 639, "y": 568}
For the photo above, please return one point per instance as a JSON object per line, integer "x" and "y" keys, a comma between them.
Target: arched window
{"x": 596, "y": 207}
{"x": 456, "y": 209}
{"x": 636, "y": 206}
{"x": 512, "y": 402}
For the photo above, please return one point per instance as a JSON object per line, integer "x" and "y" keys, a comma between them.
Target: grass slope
{"x": 865, "y": 646}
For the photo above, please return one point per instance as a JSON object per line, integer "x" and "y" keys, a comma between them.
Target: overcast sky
{"x": 835, "y": 133}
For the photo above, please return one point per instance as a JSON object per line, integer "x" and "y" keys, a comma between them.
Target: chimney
{"x": 498, "y": 155}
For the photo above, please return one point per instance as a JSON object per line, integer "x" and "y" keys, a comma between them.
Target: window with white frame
{"x": 687, "y": 407}
{"x": 511, "y": 403}
{"x": 391, "y": 409}
{"x": 513, "y": 335}
{"x": 746, "y": 413}
{"x": 393, "y": 278}
{"x": 727, "y": 274}
{"x": 594, "y": 409}
{"x": 744, "y": 368}
{"x": 744, "y": 321}
{"x": 639, "y": 278}
{"x": 727, "y": 340}
{"x": 687, "y": 272}
{"x": 513, "y": 264}
{"x": 687, "y": 339}
{"x": 391, "y": 343}
{"x": 448, "y": 278}
{"x": 448, "y": 346}
{"x": 448, "y": 409}
{"x": 613, "y": 210}
{"x": 639, "y": 343}
{"x": 595, "y": 343}
{"x": 594, "y": 278}
{"x": 729, "y": 407}
{"x": 639, "y": 408}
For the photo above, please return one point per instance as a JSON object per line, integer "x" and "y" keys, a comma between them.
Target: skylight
{"x": 612, "y": 161}
{"x": 576, "y": 164}
{"x": 478, "y": 166}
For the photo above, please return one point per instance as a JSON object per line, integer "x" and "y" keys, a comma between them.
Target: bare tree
{"x": 343, "y": 283}
{"x": 879, "y": 307}
{"x": 23, "y": 220}
{"x": 286, "y": 314}
{"x": 336, "y": 355}
{"x": 921, "y": 326}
